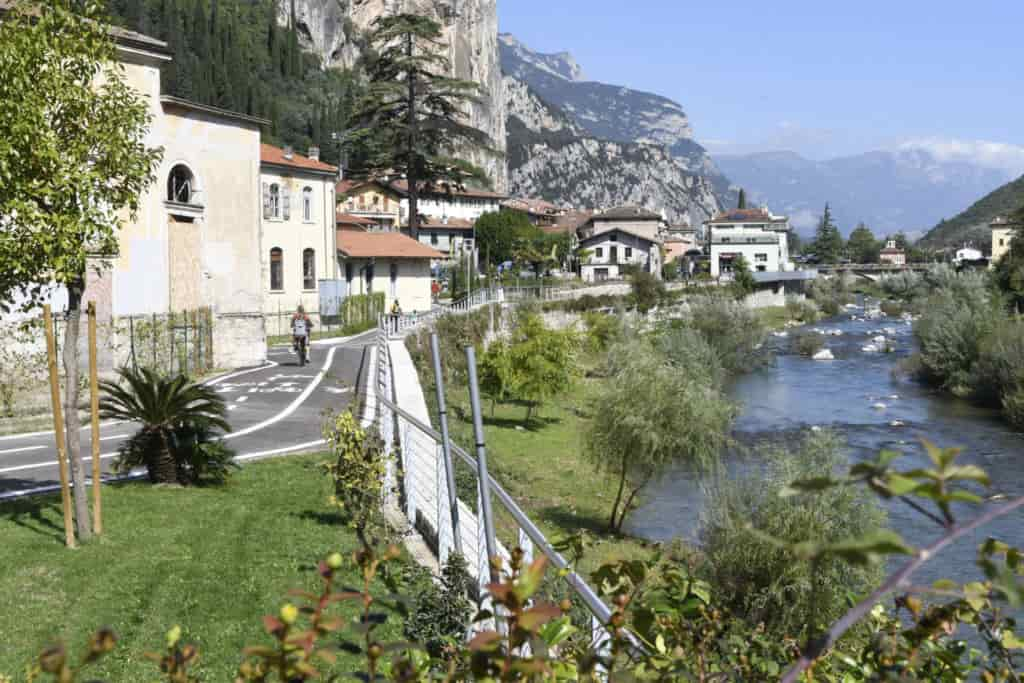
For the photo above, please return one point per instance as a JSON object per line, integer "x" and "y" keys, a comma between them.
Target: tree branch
{"x": 894, "y": 583}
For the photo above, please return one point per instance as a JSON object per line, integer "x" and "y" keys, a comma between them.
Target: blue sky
{"x": 822, "y": 78}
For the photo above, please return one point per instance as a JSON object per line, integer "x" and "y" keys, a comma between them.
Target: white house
{"x": 611, "y": 250}
{"x": 388, "y": 262}
{"x": 297, "y": 237}
{"x": 449, "y": 202}
{"x": 634, "y": 219}
{"x": 757, "y": 235}
{"x": 892, "y": 254}
{"x": 452, "y": 237}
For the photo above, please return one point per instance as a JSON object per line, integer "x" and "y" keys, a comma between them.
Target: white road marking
{"x": 20, "y": 468}
{"x": 22, "y": 450}
{"x": 335, "y": 390}
{"x": 115, "y": 436}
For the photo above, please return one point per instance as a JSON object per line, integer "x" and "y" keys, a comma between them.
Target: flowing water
{"x": 860, "y": 396}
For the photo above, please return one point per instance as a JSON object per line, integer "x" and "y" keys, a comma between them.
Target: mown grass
{"x": 325, "y": 333}
{"x": 212, "y": 560}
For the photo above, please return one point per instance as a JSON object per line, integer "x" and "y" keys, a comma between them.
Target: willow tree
{"x": 73, "y": 163}
{"x": 412, "y": 118}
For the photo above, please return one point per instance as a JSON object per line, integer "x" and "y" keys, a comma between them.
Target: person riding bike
{"x": 302, "y": 328}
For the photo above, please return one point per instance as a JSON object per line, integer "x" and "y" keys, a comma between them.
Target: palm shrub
{"x": 177, "y": 441}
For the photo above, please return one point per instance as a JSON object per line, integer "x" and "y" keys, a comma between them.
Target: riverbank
{"x": 212, "y": 560}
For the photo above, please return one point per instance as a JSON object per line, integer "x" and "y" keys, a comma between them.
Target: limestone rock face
{"x": 335, "y": 31}
{"x": 552, "y": 156}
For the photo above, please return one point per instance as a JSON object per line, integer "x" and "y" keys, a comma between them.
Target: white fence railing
{"x": 398, "y": 325}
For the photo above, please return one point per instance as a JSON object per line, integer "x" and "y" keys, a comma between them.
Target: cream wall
{"x": 1000, "y": 242}
{"x": 455, "y": 206}
{"x": 412, "y": 285}
{"x": 295, "y": 235}
{"x": 374, "y": 202}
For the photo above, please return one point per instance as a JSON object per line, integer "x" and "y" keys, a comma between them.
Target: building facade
{"x": 448, "y": 202}
{"x": 298, "y": 229}
{"x": 630, "y": 218}
{"x": 387, "y": 262}
{"x": 373, "y": 201}
{"x": 610, "y": 251}
{"x": 1003, "y": 232}
{"x": 756, "y": 235}
{"x": 892, "y": 255}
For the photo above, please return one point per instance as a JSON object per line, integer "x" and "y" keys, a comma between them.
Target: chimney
{"x": 314, "y": 153}
{"x": 288, "y": 152}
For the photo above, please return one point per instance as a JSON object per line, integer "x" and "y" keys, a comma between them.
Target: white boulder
{"x": 869, "y": 348}
{"x": 824, "y": 354}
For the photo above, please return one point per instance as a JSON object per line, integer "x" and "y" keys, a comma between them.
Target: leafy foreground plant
{"x": 177, "y": 442}
{"x": 664, "y": 626}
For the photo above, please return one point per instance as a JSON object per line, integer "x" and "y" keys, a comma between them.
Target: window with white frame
{"x": 276, "y": 269}
{"x": 307, "y": 205}
{"x": 761, "y": 258}
{"x": 308, "y": 269}
{"x": 275, "y": 201}
{"x": 599, "y": 252}
{"x": 629, "y": 252}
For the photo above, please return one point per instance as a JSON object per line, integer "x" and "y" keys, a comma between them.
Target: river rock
{"x": 780, "y": 334}
{"x": 878, "y": 339}
{"x": 869, "y": 348}
{"x": 824, "y": 354}
{"x": 896, "y": 423}
{"x": 879, "y": 406}
{"x": 834, "y": 333}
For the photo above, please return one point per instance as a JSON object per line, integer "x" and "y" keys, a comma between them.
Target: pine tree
{"x": 412, "y": 116}
{"x": 828, "y": 242}
{"x": 742, "y": 203}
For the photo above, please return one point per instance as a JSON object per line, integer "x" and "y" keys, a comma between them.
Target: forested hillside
{"x": 233, "y": 54}
{"x": 972, "y": 225}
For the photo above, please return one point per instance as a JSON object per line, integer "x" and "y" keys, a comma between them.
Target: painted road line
{"x": 22, "y": 450}
{"x": 51, "y": 463}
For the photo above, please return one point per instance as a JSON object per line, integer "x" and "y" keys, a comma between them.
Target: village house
{"x": 388, "y": 262}
{"x": 451, "y": 237}
{"x": 372, "y": 200}
{"x": 195, "y": 240}
{"x": 756, "y": 235}
{"x": 540, "y": 213}
{"x": 679, "y": 240}
{"x": 631, "y": 218}
{"x": 608, "y": 252}
{"x": 1003, "y": 232}
{"x": 298, "y": 229}
{"x": 447, "y": 201}
{"x": 892, "y": 255}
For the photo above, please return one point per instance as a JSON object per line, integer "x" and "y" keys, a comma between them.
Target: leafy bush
{"x": 905, "y": 285}
{"x": 687, "y": 349}
{"x": 358, "y": 472}
{"x": 808, "y": 343}
{"x": 999, "y": 370}
{"x": 179, "y": 418}
{"x": 760, "y": 580}
{"x": 951, "y": 332}
{"x": 733, "y": 330}
{"x": 647, "y": 290}
{"x": 804, "y": 310}
{"x": 602, "y": 330}
{"x": 1013, "y": 407}
{"x": 893, "y": 309}
{"x": 439, "y": 614}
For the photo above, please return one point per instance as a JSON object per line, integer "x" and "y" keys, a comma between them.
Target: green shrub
{"x": 439, "y": 613}
{"x": 1013, "y": 407}
{"x": 905, "y": 285}
{"x": 602, "y": 330}
{"x": 999, "y": 371}
{"x": 804, "y": 310}
{"x": 951, "y": 332}
{"x": 808, "y": 343}
{"x": 358, "y": 472}
{"x": 647, "y": 290}
{"x": 761, "y": 580}
{"x": 830, "y": 294}
{"x": 893, "y": 309}
{"x": 687, "y": 349}
{"x": 733, "y": 330}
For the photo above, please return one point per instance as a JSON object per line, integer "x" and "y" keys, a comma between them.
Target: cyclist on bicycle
{"x": 302, "y": 327}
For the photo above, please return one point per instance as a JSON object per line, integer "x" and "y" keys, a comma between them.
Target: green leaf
{"x": 901, "y": 485}
{"x": 869, "y": 548}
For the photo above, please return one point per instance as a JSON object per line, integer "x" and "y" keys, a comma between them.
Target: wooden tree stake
{"x": 94, "y": 395}
{"x": 58, "y": 427}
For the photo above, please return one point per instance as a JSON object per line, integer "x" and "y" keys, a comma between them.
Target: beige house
{"x": 297, "y": 237}
{"x": 388, "y": 262}
{"x": 371, "y": 200}
{"x": 1003, "y": 231}
{"x": 892, "y": 255}
{"x": 631, "y": 218}
{"x": 195, "y": 240}
{"x": 608, "y": 252}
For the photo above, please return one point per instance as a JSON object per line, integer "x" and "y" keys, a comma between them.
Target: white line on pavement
{"x": 22, "y": 450}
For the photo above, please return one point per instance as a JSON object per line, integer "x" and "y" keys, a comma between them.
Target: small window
{"x": 761, "y": 258}
{"x": 348, "y": 272}
{"x": 629, "y": 252}
{"x": 307, "y": 206}
{"x": 433, "y": 238}
{"x": 275, "y": 201}
{"x": 726, "y": 240}
{"x": 614, "y": 237}
{"x": 276, "y": 270}
{"x": 599, "y": 252}
{"x": 180, "y": 185}
{"x": 309, "y": 269}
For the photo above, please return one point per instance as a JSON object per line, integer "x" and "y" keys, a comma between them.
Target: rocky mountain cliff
{"x": 972, "y": 226}
{"x": 610, "y": 112}
{"x": 551, "y": 155}
{"x": 335, "y": 30}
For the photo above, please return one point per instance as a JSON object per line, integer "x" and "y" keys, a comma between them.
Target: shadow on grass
{"x": 534, "y": 424}
{"x": 575, "y": 521}
{"x": 324, "y": 518}
{"x": 40, "y": 515}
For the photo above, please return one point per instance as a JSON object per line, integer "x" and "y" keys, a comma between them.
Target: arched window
{"x": 275, "y": 201}
{"x": 276, "y": 269}
{"x": 307, "y": 206}
{"x": 180, "y": 185}
{"x": 309, "y": 269}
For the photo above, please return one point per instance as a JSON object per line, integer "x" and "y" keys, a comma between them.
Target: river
{"x": 794, "y": 393}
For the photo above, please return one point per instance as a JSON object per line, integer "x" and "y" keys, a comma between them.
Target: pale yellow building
{"x": 195, "y": 241}
{"x": 297, "y": 237}
{"x": 372, "y": 201}
{"x": 387, "y": 262}
{"x": 1003, "y": 231}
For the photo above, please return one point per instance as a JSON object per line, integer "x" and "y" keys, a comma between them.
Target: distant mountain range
{"x": 592, "y": 144}
{"x": 908, "y": 189}
{"x": 972, "y": 225}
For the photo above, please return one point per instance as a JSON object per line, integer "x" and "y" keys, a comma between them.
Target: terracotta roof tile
{"x": 275, "y": 155}
{"x": 354, "y": 244}
{"x": 402, "y": 186}
{"x": 349, "y": 219}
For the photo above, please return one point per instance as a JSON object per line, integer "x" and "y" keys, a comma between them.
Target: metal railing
{"x": 420, "y": 483}
{"x": 396, "y": 326}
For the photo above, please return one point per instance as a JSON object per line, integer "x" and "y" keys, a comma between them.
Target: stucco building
{"x": 446, "y": 201}
{"x": 1003, "y": 232}
{"x": 373, "y": 201}
{"x": 388, "y": 262}
{"x": 634, "y": 219}
{"x": 297, "y": 238}
{"x": 609, "y": 251}
{"x": 892, "y": 255}
{"x": 757, "y": 235}
{"x": 195, "y": 241}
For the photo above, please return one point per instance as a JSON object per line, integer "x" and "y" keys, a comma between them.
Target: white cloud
{"x": 997, "y": 155}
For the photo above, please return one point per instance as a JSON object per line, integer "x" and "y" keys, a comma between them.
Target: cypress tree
{"x": 742, "y": 203}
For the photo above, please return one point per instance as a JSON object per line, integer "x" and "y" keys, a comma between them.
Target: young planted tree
{"x": 743, "y": 279}
{"x": 651, "y": 415}
{"x": 828, "y": 242}
{"x": 541, "y": 362}
{"x": 412, "y": 118}
{"x": 73, "y": 163}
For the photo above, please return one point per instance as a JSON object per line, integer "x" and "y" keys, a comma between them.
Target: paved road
{"x": 275, "y": 409}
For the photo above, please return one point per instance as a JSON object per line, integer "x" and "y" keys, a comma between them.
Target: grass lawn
{"x": 541, "y": 465}
{"x": 213, "y": 561}
{"x": 326, "y": 332}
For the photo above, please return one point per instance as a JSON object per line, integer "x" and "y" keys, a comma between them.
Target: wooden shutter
{"x": 286, "y": 202}
{"x": 266, "y": 201}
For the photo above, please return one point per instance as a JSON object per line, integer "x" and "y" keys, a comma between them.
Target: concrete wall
{"x": 294, "y": 236}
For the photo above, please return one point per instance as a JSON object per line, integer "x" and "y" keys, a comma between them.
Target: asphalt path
{"x": 275, "y": 409}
